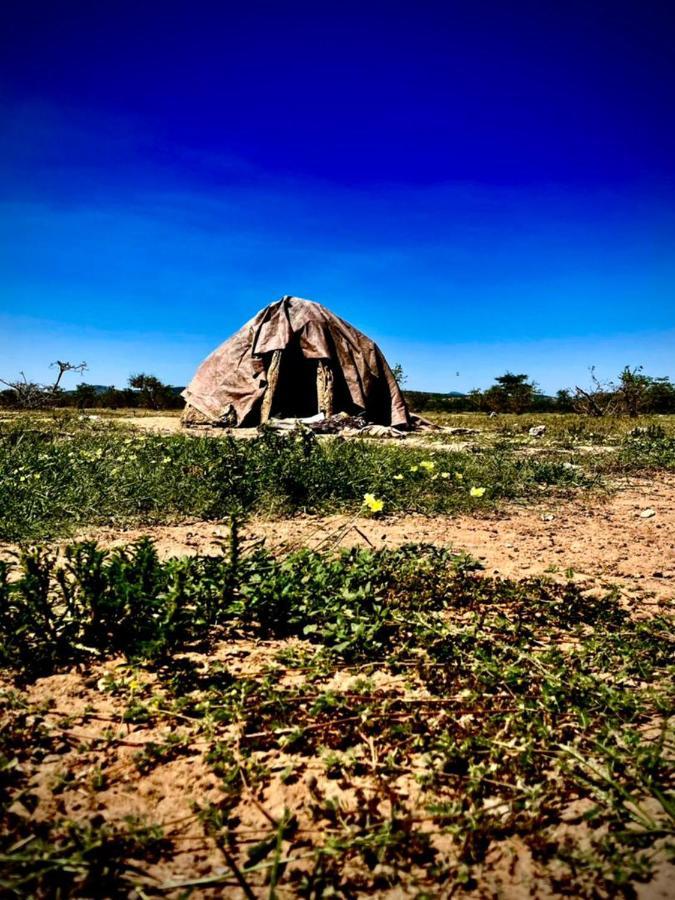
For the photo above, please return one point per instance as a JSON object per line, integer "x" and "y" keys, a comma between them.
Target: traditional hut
{"x": 294, "y": 359}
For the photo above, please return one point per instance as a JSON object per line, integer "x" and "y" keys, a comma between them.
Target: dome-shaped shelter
{"x": 295, "y": 358}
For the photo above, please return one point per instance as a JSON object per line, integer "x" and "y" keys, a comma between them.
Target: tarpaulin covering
{"x": 231, "y": 383}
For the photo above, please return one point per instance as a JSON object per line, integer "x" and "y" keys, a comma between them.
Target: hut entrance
{"x": 297, "y": 387}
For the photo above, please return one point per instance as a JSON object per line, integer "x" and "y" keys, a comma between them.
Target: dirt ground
{"x": 89, "y": 738}
{"x": 625, "y": 539}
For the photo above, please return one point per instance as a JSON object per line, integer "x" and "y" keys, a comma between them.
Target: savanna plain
{"x": 289, "y": 665}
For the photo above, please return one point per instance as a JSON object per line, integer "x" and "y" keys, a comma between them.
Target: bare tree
{"x": 64, "y": 367}
{"x": 27, "y": 394}
{"x": 629, "y": 397}
{"x": 31, "y": 395}
{"x": 599, "y": 400}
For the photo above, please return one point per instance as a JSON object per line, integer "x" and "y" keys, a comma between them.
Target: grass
{"x": 60, "y": 473}
{"x": 432, "y": 714}
{"x": 563, "y": 429}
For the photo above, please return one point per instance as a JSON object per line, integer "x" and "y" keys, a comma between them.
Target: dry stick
{"x": 247, "y": 787}
{"x": 220, "y": 879}
{"x": 298, "y": 541}
{"x": 342, "y": 531}
{"x": 342, "y": 527}
{"x": 327, "y": 724}
{"x": 237, "y": 873}
{"x": 364, "y": 536}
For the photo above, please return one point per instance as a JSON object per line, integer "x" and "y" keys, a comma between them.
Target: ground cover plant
{"x": 60, "y": 473}
{"x": 325, "y": 724}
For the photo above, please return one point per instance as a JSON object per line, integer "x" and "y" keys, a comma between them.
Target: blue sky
{"x": 477, "y": 189}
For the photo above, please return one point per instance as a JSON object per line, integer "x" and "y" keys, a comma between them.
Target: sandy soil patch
{"x": 93, "y": 762}
{"x": 611, "y": 540}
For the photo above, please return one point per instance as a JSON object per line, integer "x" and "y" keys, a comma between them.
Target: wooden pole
{"x": 325, "y": 388}
{"x": 272, "y": 381}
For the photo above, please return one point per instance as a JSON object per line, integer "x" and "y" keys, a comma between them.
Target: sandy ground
{"x": 172, "y": 425}
{"x": 599, "y": 541}
{"x": 626, "y": 539}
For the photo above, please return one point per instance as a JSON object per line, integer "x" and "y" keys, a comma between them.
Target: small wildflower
{"x": 428, "y": 464}
{"x": 373, "y": 504}
{"x": 477, "y": 492}
{"x": 414, "y": 468}
{"x": 445, "y": 474}
{"x": 398, "y": 477}
{"x": 459, "y": 476}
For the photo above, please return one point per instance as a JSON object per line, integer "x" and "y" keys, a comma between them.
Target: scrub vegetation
{"x": 416, "y": 722}
{"x": 321, "y": 723}
{"x": 60, "y": 473}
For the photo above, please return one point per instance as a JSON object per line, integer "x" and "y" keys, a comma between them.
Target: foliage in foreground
{"x": 522, "y": 709}
{"x": 99, "y": 602}
{"x": 57, "y": 476}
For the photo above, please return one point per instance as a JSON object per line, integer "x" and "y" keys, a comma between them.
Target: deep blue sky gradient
{"x": 478, "y": 186}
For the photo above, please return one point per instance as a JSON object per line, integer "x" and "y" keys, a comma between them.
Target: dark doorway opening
{"x": 295, "y": 395}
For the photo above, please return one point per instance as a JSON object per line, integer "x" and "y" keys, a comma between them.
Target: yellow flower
{"x": 427, "y": 464}
{"x": 459, "y": 476}
{"x": 398, "y": 477}
{"x": 373, "y": 504}
{"x": 414, "y": 468}
{"x": 445, "y": 474}
{"x": 477, "y": 492}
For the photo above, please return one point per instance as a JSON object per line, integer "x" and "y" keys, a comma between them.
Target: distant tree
{"x": 64, "y": 367}
{"x": 27, "y": 394}
{"x": 7, "y": 398}
{"x": 154, "y": 393}
{"x": 597, "y": 401}
{"x": 31, "y": 395}
{"x": 399, "y": 375}
{"x": 632, "y": 395}
{"x": 632, "y": 392}
{"x": 661, "y": 394}
{"x": 477, "y": 401}
{"x": 564, "y": 402}
{"x": 84, "y": 396}
{"x": 510, "y": 393}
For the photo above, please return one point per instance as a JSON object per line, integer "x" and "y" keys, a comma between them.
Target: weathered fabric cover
{"x": 233, "y": 377}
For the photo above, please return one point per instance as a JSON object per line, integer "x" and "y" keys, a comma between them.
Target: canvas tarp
{"x": 231, "y": 383}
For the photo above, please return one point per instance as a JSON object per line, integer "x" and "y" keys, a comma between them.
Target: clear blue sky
{"x": 478, "y": 186}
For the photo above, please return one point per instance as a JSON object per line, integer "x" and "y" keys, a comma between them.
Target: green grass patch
{"x": 59, "y": 475}
{"x": 519, "y": 706}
